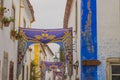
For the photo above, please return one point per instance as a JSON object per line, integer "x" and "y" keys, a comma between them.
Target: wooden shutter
{"x": 11, "y": 71}
{"x": 5, "y": 66}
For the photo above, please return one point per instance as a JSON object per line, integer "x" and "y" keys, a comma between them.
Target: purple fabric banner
{"x": 44, "y": 35}
{"x": 47, "y": 36}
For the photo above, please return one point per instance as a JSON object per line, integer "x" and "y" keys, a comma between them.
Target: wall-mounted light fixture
{"x": 76, "y": 64}
{"x": 55, "y": 58}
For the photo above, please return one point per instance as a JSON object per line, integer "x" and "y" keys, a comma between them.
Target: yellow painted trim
{"x": 31, "y": 22}
{"x": 36, "y": 56}
{"x": 20, "y": 11}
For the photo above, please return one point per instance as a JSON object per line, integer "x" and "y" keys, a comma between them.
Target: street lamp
{"x": 55, "y": 58}
{"x": 76, "y": 64}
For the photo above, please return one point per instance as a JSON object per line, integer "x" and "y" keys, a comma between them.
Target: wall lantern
{"x": 76, "y": 64}
{"x": 55, "y": 58}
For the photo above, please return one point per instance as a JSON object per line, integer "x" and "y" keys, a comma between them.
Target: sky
{"x": 49, "y": 14}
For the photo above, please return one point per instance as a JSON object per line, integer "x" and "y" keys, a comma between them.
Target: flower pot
{"x": 77, "y": 78}
{"x": 13, "y": 33}
{"x": 6, "y": 24}
{"x": 18, "y": 37}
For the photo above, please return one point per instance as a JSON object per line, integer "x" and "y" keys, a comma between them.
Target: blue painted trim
{"x": 88, "y": 38}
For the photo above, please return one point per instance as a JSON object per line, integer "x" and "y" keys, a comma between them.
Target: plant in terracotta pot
{"x": 19, "y": 36}
{"x": 6, "y": 20}
{"x": 13, "y": 33}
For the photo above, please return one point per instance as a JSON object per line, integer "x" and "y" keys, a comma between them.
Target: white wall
{"x": 6, "y": 44}
{"x": 108, "y": 30}
{"x": 26, "y": 14}
{"x": 27, "y": 62}
{"x": 72, "y": 23}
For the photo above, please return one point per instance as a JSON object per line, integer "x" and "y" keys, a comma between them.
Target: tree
{"x": 32, "y": 74}
{"x": 62, "y": 57}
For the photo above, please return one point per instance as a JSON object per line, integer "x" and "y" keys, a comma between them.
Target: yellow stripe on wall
{"x": 36, "y": 56}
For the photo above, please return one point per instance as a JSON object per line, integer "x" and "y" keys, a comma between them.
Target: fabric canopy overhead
{"x": 52, "y": 66}
{"x": 45, "y": 35}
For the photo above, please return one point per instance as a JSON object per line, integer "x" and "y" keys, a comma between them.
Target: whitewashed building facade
{"x": 106, "y": 20}
{"x": 22, "y": 12}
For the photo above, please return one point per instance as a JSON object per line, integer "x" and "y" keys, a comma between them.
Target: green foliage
{"x": 19, "y": 36}
{"x": 8, "y": 19}
{"x": 13, "y": 32}
{"x": 32, "y": 71}
{"x": 61, "y": 54}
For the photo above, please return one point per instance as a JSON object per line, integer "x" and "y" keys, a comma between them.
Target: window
{"x": 113, "y": 69}
{"x": 5, "y": 66}
{"x": 11, "y": 71}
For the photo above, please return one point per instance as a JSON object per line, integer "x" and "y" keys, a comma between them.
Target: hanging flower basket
{"x": 18, "y": 36}
{"x": 6, "y": 21}
{"x": 13, "y": 33}
{"x": 77, "y": 78}
{"x": 6, "y": 24}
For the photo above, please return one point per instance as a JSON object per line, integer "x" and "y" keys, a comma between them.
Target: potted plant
{"x": 7, "y": 20}
{"x": 18, "y": 36}
{"x": 13, "y": 33}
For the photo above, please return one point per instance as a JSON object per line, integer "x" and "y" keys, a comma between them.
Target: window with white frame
{"x": 113, "y": 69}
